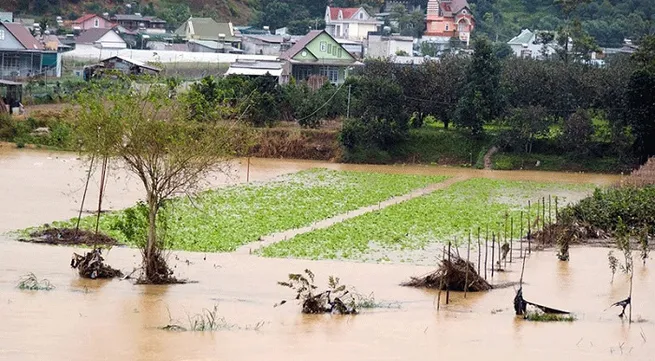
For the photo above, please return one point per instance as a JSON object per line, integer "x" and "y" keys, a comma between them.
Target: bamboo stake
{"x": 448, "y": 285}
{"x": 556, "y": 211}
{"x": 466, "y": 277}
{"x": 511, "y": 238}
{"x": 479, "y": 251}
{"x": 521, "y": 237}
{"x": 486, "y": 252}
{"x": 529, "y": 228}
{"x": 102, "y": 188}
{"x": 493, "y": 259}
{"x": 550, "y": 214}
{"x": 543, "y": 213}
{"x": 443, "y": 258}
{"x": 86, "y": 187}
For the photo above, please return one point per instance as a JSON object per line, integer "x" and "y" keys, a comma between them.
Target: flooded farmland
{"x": 117, "y": 320}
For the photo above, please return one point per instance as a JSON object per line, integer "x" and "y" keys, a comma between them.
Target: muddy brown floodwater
{"x": 116, "y": 320}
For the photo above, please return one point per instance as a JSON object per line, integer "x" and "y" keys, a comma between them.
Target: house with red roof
{"x": 448, "y": 19}
{"x": 92, "y": 21}
{"x": 350, "y": 23}
{"x": 22, "y": 56}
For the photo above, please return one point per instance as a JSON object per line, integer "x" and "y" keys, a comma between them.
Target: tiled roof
{"x": 301, "y": 44}
{"x": 91, "y": 36}
{"x": 86, "y": 17}
{"x": 346, "y": 12}
{"x": 23, "y": 36}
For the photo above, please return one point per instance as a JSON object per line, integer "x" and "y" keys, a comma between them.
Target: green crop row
{"x": 223, "y": 219}
{"x": 439, "y": 216}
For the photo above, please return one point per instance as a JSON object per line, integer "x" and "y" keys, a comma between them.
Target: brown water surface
{"x": 116, "y": 320}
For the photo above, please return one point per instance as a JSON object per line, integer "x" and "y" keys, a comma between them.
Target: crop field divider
{"x": 325, "y": 223}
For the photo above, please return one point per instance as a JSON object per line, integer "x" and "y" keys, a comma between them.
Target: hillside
{"x": 240, "y": 12}
{"x": 608, "y": 21}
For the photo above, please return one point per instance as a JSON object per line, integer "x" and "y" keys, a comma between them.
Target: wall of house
{"x": 111, "y": 40}
{"x": 251, "y": 46}
{"x": 322, "y": 47}
{"x": 19, "y": 64}
{"x": 383, "y": 48}
{"x": 8, "y": 41}
{"x": 91, "y": 24}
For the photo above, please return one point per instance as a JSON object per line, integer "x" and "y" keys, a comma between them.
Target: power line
{"x": 324, "y": 104}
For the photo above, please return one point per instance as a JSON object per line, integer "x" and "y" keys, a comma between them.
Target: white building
{"x": 528, "y": 45}
{"x": 350, "y": 23}
{"x": 384, "y": 46}
{"x": 101, "y": 38}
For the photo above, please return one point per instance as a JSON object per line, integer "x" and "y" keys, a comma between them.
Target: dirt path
{"x": 487, "y": 157}
{"x": 282, "y": 236}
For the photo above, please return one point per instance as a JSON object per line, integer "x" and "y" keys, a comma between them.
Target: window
{"x": 96, "y": 23}
{"x": 323, "y": 46}
{"x": 334, "y": 50}
{"x": 464, "y": 11}
{"x": 2, "y": 35}
{"x": 329, "y": 48}
{"x": 330, "y": 72}
{"x": 340, "y": 52}
{"x": 447, "y": 27}
{"x": 361, "y": 16}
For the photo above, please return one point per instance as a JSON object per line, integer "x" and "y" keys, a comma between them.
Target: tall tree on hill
{"x": 481, "y": 101}
{"x": 641, "y": 99}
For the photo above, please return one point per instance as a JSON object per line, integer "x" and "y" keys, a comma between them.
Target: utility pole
{"x": 348, "y": 111}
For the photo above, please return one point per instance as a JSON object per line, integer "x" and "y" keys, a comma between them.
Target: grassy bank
{"x": 223, "y": 219}
{"x": 426, "y": 145}
{"x": 564, "y": 162}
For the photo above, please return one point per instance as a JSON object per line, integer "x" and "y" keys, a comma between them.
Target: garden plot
{"x": 414, "y": 230}
{"x": 223, "y": 219}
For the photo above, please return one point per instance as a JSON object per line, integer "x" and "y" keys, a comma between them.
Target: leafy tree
{"x": 641, "y": 99}
{"x": 577, "y": 132}
{"x": 152, "y": 137}
{"x": 525, "y": 125}
{"x": 481, "y": 101}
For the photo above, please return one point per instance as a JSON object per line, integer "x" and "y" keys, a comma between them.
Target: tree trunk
{"x": 151, "y": 247}
{"x": 445, "y": 123}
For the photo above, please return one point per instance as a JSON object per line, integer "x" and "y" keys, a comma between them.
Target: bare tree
{"x": 154, "y": 139}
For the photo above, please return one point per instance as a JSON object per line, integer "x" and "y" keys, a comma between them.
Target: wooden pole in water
{"x": 447, "y": 276}
{"x": 102, "y": 188}
{"x": 479, "y": 251}
{"x": 543, "y": 213}
{"x": 529, "y": 230}
{"x": 443, "y": 258}
{"x": 556, "y": 211}
{"x": 550, "y": 214}
{"x": 486, "y": 252}
{"x": 86, "y": 187}
{"x": 466, "y": 277}
{"x": 248, "y": 171}
{"x": 511, "y": 238}
{"x": 493, "y": 259}
{"x": 521, "y": 237}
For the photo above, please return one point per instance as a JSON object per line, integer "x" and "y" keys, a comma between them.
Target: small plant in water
{"x": 643, "y": 243}
{"x": 369, "y": 301}
{"x": 548, "y": 317}
{"x": 207, "y": 320}
{"x": 336, "y": 299}
{"x": 31, "y": 282}
{"x": 613, "y": 263}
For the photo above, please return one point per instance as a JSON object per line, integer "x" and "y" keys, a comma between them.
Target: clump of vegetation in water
{"x": 602, "y": 210}
{"x": 32, "y": 283}
{"x": 548, "y": 317}
{"x": 336, "y": 299}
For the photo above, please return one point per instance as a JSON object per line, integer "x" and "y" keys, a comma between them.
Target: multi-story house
{"x": 92, "y": 21}
{"x": 447, "y": 19}
{"x": 350, "y": 23}
{"x": 137, "y": 22}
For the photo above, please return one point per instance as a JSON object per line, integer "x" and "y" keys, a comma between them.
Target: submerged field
{"x": 418, "y": 224}
{"x": 223, "y": 219}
